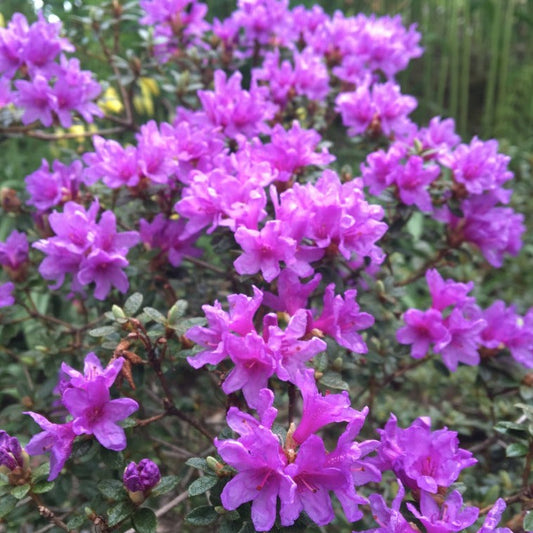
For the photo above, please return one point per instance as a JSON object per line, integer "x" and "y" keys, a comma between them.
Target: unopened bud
{"x": 118, "y": 312}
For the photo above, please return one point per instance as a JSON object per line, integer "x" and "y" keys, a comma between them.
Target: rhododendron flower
{"x": 450, "y": 517}
{"x": 422, "y": 329}
{"x": 11, "y": 453}
{"x": 96, "y": 414}
{"x": 6, "y": 294}
{"x": 260, "y": 462}
{"x": 142, "y": 476}
{"x": 56, "y": 439}
{"x": 14, "y": 251}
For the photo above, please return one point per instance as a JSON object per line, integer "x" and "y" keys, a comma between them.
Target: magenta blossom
{"x": 96, "y": 414}
{"x": 56, "y": 439}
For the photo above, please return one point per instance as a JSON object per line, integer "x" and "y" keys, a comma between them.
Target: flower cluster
{"x": 301, "y": 472}
{"x": 458, "y": 329}
{"x": 87, "y": 250}
{"x": 457, "y": 184}
{"x": 87, "y": 399}
{"x": 47, "y": 90}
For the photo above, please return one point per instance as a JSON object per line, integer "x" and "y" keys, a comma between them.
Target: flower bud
{"x": 140, "y": 478}
{"x": 14, "y": 461}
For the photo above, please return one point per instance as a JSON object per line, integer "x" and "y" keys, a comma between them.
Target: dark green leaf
{"x": 20, "y": 491}
{"x": 177, "y": 311}
{"x": 111, "y": 488}
{"x": 144, "y": 521}
{"x": 41, "y": 471}
{"x": 104, "y": 331}
{"x": 166, "y": 484}
{"x": 76, "y": 521}
{"x": 43, "y": 486}
{"x": 199, "y": 463}
{"x": 333, "y": 381}
{"x": 528, "y": 521}
{"x": 202, "y": 516}
{"x": 133, "y": 303}
{"x": 202, "y": 484}
{"x": 7, "y": 503}
{"x": 517, "y": 449}
{"x": 155, "y": 315}
{"x": 120, "y": 512}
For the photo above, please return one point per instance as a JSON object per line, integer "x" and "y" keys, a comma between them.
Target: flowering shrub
{"x": 258, "y": 309}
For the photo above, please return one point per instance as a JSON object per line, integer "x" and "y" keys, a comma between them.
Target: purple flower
{"x": 14, "y": 252}
{"x": 412, "y": 180}
{"x": 92, "y": 370}
{"x": 445, "y": 293}
{"x": 74, "y": 90}
{"x": 254, "y": 364}
{"x": 493, "y": 518}
{"x": 11, "y": 453}
{"x": 114, "y": 165}
{"x": 422, "y": 458}
{"x": 292, "y": 295}
{"x": 260, "y": 463}
{"x": 37, "y": 99}
{"x": 314, "y": 478}
{"x": 289, "y": 151}
{"x": 380, "y": 108}
{"x": 96, "y": 414}
{"x": 479, "y": 167}
{"x": 341, "y": 319}
{"x": 142, "y": 476}
{"x": 319, "y": 410}
{"x": 50, "y": 188}
{"x": 290, "y": 349}
{"x": 390, "y": 519}
{"x": 235, "y": 109}
{"x": 422, "y": 329}
{"x": 464, "y": 340}
{"x": 450, "y": 517}
{"x": 264, "y": 250}
{"x": 56, "y": 439}
{"x": 6, "y": 294}
{"x": 169, "y": 236}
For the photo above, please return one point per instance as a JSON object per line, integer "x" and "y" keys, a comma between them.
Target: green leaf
{"x": 144, "y": 521}
{"x": 133, "y": 303}
{"x": 112, "y": 459}
{"x": 104, "y": 331}
{"x": 112, "y": 489}
{"x": 166, "y": 484}
{"x": 505, "y": 427}
{"x": 202, "y": 516}
{"x": 43, "y": 486}
{"x": 76, "y": 522}
{"x": 198, "y": 462}
{"x": 81, "y": 448}
{"x": 41, "y": 471}
{"x": 320, "y": 362}
{"x": 7, "y": 503}
{"x": 333, "y": 380}
{"x": 517, "y": 449}
{"x": 528, "y": 521}
{"x": 20, "y": 491}
{"x": 229, "y": 527}
{"x": 120, "y": 512}
{"x": 155, "y": 315}
{"x": 202, "y": 484}
{"x": 177, "y": 311}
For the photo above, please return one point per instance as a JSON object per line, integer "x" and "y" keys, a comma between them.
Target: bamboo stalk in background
{"x": 505, "y": 56}
{"x": 492, "y": 78}
{"x": 454, "y": 38}
{"x": 465, "y": 69}
{"x": 444, "y": 63}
